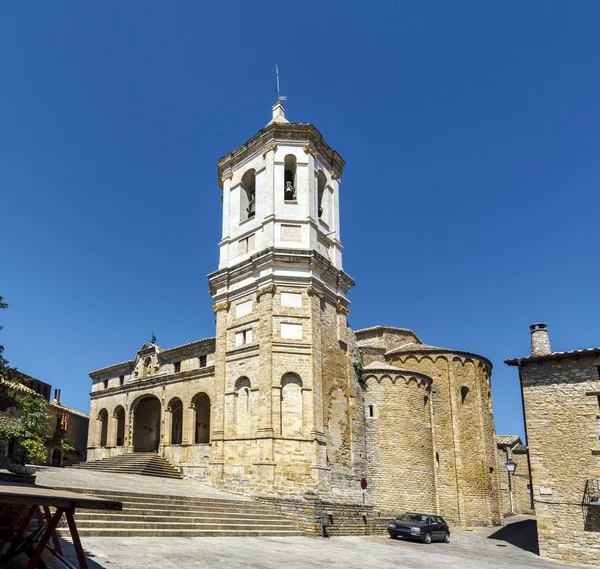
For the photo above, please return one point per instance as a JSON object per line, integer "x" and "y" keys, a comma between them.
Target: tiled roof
{"x": 19, "y": 386}
{"x": 508, "y": 440}
{"x": 6, "y": 419}
{"x": 100, "y": 370}
{"x": 420, "y": 348}
{"x": 371, "y": 328}
{"x": 188, "y": 345}
{"x": 68, "y": 410}
{"x": 554, "y": 356}
{"x": 380, "y": 366}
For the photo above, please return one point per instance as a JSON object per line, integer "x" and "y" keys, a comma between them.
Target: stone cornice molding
{"x": 268, "y": 149}
{"x": 309, "y": 258}
{"x": 277, "y": 133}
{"x": 341, "y": 309}
{"x": 269, "y": 289}
{"x": 225, "y": 305}
{"x": 310, "y": 150}
{"x": 227, "y": 176}
{"x": 314, "y": 292}
{"x": 335, "y": 175}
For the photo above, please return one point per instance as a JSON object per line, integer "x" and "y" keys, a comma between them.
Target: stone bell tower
{"x": 283, "y": 370}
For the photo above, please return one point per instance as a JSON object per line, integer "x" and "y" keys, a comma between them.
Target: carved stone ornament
{"x": 227, "y": 176}
{"x": 310, "y": 150}
{"x": 341, "y": 309}
{"x": 269, "y": 289}
{"x": 268, "y": 149}
{"x": 335, "y": 176}
{"x": 314, "y": 292}
{"x": 222, "y": 306}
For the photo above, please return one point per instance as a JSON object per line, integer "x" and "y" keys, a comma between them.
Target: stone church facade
{"x": 287, "y": 399}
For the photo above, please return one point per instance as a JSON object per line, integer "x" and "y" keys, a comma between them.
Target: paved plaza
{"x": 468, "y": 550}
{"x": 509, "y": 547}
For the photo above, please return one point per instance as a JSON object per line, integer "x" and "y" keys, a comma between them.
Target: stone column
{"x": 218, "y": 419}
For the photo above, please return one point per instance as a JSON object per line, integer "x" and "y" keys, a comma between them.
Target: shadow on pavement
{"x": 521, "y": 534}
{"x": 71, "y": 556}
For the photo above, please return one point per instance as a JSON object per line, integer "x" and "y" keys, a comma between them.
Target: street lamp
{"x": 511, "y": 467}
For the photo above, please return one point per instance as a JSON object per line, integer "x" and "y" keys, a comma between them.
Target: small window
{"x": 244, "y": 337}
{"x": 121, "y": 380}
{"x": 202, "y": 361}
{"x": 425, "y": 401}
{"x": 371, "y": 411}
{"x": 106, "y": 384}
{"x": 464, "y": 391}
{"x": 177, "y": 367}
{"x": 437, "y": 459}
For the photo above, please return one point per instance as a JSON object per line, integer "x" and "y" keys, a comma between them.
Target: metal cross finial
{"x": 153, "y": 341}
{"x": 280, "y": 97}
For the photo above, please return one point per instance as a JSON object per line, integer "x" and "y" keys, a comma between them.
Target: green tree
{"x": 32, "y": 425}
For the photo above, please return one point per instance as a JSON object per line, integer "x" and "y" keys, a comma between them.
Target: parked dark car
{"x": 424, "y": 527}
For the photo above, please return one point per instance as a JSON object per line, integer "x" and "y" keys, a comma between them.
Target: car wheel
{"x": 447, "y": 538}
{"x": 427, "y": 538}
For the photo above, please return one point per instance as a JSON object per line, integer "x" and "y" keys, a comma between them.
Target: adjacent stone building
{"x": 287, "y": 399}
{"x": 561, "y": 396}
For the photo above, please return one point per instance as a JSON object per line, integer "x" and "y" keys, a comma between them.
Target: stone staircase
{"x": 145, "y": 463}
{"x": 152, "y": 515}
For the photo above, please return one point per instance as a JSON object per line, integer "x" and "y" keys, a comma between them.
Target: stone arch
{"x": 248, "y": 194}
{"x": 243, "y": 411}
{"x": 146, "y": 412}
{"x": 103, "y": 420}
{"x": 201, "y": 406}
{"x": 321, "y": 203}
{"x": 175, "y": 407}
{"x": 386, "y": 376}
{"x": 291, "y": 404}
{"x": 289, "y": 178}
{"x": 119, "y": 415}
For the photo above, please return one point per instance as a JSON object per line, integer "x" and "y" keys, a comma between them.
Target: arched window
{"x": 176, "y": 408}
{"x": 321, "y": 183}
{"x": 289, "y": 178}
{"x": 243, "y": 415}
{"x": 103, "y": 418}
{"x": 201, "y": 405}
{"x": 371, "y": 411}
{"x": 248, "y": 195}
{"x": 291, "y": 405}
{"x": 464, "y": 391}
{"x": 119, "y": 415}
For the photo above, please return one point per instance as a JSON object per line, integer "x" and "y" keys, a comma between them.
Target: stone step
{"x": 140, "y": 532}
{"x": 229, "y": 525}
{"x": 146, "y": 464}
{"x": 141, "y": 509}
{"x": 167, "y": 499}
{"x": 166, "y": 517}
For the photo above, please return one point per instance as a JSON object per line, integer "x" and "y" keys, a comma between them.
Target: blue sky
{"x": 469, "y": 201}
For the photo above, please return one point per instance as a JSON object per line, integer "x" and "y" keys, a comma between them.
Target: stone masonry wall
{"x": 400, "y": 456}
{"x": 563, "y": 431}
{"x": 467, "y": 482}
